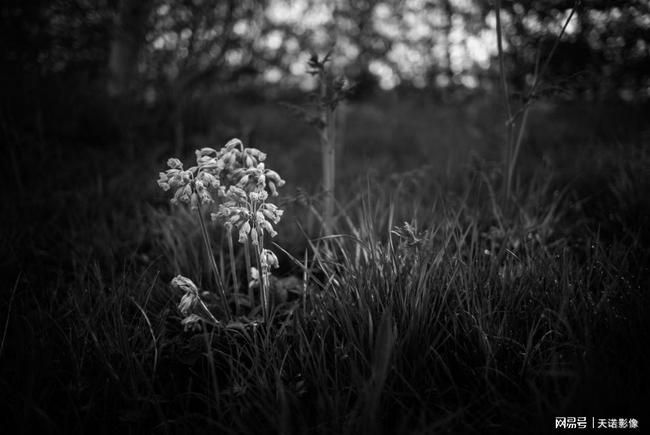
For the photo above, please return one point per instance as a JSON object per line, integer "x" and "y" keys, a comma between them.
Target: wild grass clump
{"x": 465, "y": 319}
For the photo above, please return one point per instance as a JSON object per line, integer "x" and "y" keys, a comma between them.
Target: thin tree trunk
{"x": 128, "y": 36}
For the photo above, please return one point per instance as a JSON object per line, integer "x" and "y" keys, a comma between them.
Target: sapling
{"x": 514, "y": 139}
{"x": 332, "y": 90}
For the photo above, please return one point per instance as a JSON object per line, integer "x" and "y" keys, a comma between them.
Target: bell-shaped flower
{"x": 269, "y": 259}
{"x": 244, "y": 230}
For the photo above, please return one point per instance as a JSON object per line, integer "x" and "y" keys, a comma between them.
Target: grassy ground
{"x": 476, "y": 317}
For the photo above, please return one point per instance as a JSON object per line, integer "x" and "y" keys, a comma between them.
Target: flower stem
{"x": 264, "y": 278}
{"x": 213, "y": 263}
{"x": 247, "y": 259}
{"x": 207, "y": 310}
{"x": 233, "y": 267}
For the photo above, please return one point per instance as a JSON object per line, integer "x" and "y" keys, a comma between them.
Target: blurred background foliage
{"x": 102, "y": 69}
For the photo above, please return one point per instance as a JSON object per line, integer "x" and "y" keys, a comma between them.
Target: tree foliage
{"x": 181, "y": 46}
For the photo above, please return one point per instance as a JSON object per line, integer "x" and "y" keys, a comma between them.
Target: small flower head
{"x": 190, "y": 301}
{"x": 269, "y": 259}
{"x": 255, "y": 278}
{"x": 188, "y": 304}
{"x": 244, "y": 231}
{"x": 174, "y": 163}
{"x": 185, "y": 284}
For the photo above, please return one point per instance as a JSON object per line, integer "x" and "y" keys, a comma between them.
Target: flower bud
{"x": 185, "y": 284}
{"x": 233, "y": 143}
{"x": 243, "y": 232}
{"x": 174, "y": 163}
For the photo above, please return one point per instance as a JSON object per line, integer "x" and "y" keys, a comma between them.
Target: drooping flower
{"x": 185, "y": 284}
{"x": 190, "y": 300}
{"x": 269, "y": 259}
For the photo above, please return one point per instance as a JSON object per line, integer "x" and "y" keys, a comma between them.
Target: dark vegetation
{"x": 438, "y": 306}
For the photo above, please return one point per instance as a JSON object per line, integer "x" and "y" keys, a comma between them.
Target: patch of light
{"x": 469, "y": 81}
{"x": 442, "y": 80}
{"x": 437, "y": 18}
{"x": 240, "y": 28}
{"x": 491, "y": 20}
{"x": 532, "y": 23}
{"x": 573, "y": 26}
{"x": 478, "y": 52}
{"x": 414, "y": 60}
{"x": 382, "y": 11}
{"x": 159, "y": 43}
{"x": 286, "y": 11}
{"x": 467, "y": 6}
{"x": 458, "y": 33}
{"x": 186, "y": 34}
{"x": 384, "y": 23}
{"x": 273, "y": 75}
{"x": 417, "y": 26}
{"x": 598, "y": 19}
{"x": 558, "y": 21}
{"x": 642, "y": 20}
{"x": 299, "y": 67}
{"x": 234, "y": 57}
{"x": 458, "y": 58}
{"x": 274, "y": 40}
{"x": 316, "y": 16}
{"x": 387, "y": 77}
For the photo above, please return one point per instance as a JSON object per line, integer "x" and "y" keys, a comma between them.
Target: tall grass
{"x": 435, "y": 310}
{"x": 450, "y": 315}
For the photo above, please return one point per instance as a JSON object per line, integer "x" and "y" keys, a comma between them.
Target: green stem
{"x": 506, "y": 100}
{"x": 233, "y": 267}
{"x": 207, "y": 310}
{"x": 213, "y": 263}
{"x": 247, "y": 259}
{"x": 328, "y": 153}
{"x": 264, "y": 284}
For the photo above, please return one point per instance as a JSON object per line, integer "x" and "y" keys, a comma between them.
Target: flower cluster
{"x": 249, "y": 185}
{"x": 249, "y": 213}
{"x": 234, "y": 172}
{"x": 192, "y": 185}
{"x": 237, "y": 176}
